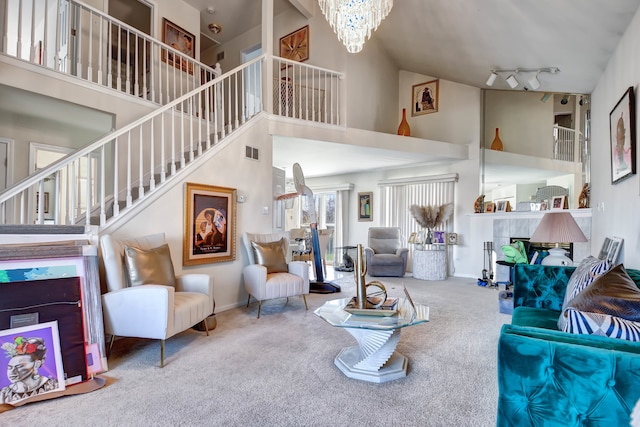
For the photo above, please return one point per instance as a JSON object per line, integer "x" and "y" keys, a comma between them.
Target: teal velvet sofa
{"x": 547, "y": 377}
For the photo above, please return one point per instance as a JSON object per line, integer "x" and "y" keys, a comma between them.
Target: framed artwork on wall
{"x": 424, "y": 98}
{"x": 365, "y": 206}
{"x": 210, "y": 216}
{"x": 295, "y": 45}
{"x": 622, "y": 127}
{"x": 181, "y": 40}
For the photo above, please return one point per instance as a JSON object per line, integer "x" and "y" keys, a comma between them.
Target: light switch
{"x": 265, "y": 210}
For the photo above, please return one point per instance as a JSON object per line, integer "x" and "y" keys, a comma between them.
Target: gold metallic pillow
{"x": 271, "y": 255}
{"x": 149, "y": 266}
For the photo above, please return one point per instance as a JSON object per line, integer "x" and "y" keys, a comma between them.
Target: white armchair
{"x": 144, "y": 309}
{"x": 263, "y": 285}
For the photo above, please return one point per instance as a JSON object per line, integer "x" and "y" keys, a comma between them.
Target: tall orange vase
{"x": 404, "y": 128}
{"x": 497, "y": 142}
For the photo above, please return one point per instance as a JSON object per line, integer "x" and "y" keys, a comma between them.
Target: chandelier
{"x": 352, "y": 20}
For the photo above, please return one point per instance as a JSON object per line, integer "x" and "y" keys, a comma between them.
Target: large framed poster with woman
{"x": 210, "y": 216}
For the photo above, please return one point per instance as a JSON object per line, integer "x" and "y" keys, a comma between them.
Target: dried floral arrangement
{"x": 431, "y": 217}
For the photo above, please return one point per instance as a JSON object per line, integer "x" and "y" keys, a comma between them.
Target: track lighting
{"x": 511, "y": 81}
{"x": 533, "y": 82}
{"x": 565, "y": 99}
{"x": 546, "y": 97}
{"x": 492, "y": 78}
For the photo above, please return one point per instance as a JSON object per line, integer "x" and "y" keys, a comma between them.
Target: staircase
{"x": 199, "y": 111}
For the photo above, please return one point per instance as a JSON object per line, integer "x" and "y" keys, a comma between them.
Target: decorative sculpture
{"x": 374, "y": 299}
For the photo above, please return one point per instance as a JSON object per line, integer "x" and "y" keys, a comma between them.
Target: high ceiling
{"x": 462, "y": 41}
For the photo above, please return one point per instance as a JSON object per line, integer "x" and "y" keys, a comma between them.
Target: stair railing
{"x": 568, "y": 144}
{"x": 71, "y": 37}
{"x": 135, "y": 159}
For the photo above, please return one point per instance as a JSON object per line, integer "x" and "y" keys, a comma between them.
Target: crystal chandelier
{"x": 352, "y": 20}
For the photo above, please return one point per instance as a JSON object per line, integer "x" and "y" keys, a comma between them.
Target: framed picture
{"x": 412, "y": 237}
{"x": 295, "y": 45}
{"x": 210, "y": 216}
{"x": 489, "y": 207}
{"x": 558, "y": 202}
{"x": 365, "y": 206}
{"x": 622, "y": 127}
{"x": 503, "y": 206}
{"x": 544, "y": 205}
{"x": 39, "y": 343}
{"x": 439, "y": 237}
{"x": 181, "y": 40}
{"x": 424, "y": 98}
{"x": 611, "y": 249}
{"x": 452, "y": 238}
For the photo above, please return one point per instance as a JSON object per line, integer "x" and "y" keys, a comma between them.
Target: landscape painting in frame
{"x": 622, "y": 125}
{"x": 210, "y": 214}
{"x": 424, "y": 97}
{"x": 37, "y": 346}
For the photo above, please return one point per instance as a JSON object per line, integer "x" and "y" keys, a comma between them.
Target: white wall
{"x": 615, "y": 206}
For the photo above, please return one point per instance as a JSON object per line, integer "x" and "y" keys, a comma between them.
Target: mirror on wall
{"x": 545, "y": 142}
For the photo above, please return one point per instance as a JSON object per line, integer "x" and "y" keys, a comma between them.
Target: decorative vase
{"x": 404, "y": 128}
{"x": 497, "y": 142}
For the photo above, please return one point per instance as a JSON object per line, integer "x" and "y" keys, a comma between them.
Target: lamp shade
{"x": 558, "y": 227}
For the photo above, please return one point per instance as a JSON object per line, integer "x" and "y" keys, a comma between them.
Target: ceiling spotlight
{"x": 492, "y": 78}
{"x": 545, "y": 97}
{"x": 512, "y": 81}
{"x": 565, "y": 99}
{"x": 215, "y": 28}
{"x": 581, "y": 101}
{"x": 534, "y": 82}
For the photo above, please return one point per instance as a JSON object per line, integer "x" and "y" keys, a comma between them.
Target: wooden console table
{"x": 430, "y": 263}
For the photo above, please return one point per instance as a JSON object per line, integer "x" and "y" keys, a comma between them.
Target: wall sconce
{"x": 512, "y": 81}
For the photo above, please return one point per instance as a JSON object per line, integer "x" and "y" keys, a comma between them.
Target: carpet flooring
{"x": 279, "y": 371}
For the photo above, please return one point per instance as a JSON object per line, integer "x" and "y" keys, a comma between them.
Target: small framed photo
{"x": 503, "y": 206}
{"x": 611, "y": 249}
{"x": 412, "y": 237}
{"x": 295, "y": 45}
{"x": 209, "y": 219}
{"x": 181, "y": 40}
{"x": 365, "y": 206}
{"x": 452, "y": 238}
{"x": 439, "y": 237}
{"x": 544, "y": 205}
{"x": 622, "y": 126}
{"x": 489, "y": 207}
{"x": 558, "y": 202}
{"x": 424, "y": 98}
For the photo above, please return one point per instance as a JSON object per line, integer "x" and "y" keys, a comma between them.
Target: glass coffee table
{"x": 374, "y": 359}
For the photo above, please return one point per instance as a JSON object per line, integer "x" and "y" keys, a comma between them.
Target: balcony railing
{"x": 76, "y": 39}
{"x": 568, "y": 144}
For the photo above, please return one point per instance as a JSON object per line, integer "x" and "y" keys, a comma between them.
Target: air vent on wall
{"x": 252, "y": 153}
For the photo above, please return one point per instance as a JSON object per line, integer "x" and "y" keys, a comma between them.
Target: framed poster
{"x": 622, "y": 126}
{"x": 365, "y": 206}
{"x": 33, "y": 361}
{"x": 210, "y": 216}
{"x": 181, "y": 40}
{"x": 424, "y": 98}
{"x": 295, "y": 45}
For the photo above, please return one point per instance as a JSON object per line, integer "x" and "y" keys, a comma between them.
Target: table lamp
{"x": 557, "y": 227}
